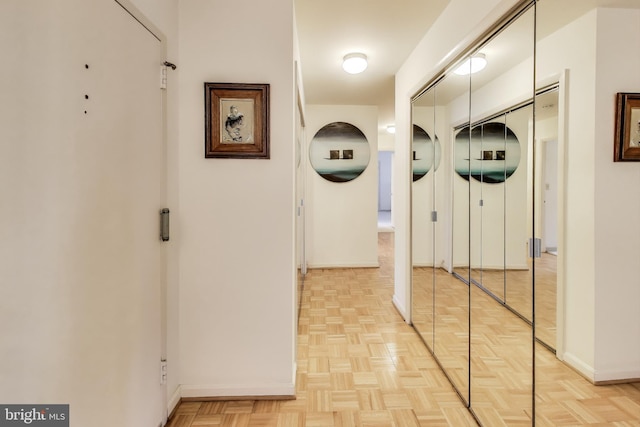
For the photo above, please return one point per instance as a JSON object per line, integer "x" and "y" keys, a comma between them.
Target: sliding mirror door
{"x": 474, "y": 222}
{"x": 440, "y": 300}
{"x": 501, "y": 132}
{"x": 424, "y": 162}
{"x": 300, "y": 188}
{"x": 546, "y": 203}
{"x": 559, "y": 49}
{"x": 451, "y": 295}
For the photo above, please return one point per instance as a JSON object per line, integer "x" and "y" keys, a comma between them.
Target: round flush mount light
{"x": 391, "y": 129}
{"x": 354, "y": 63}
{"x": 472, "y": 65}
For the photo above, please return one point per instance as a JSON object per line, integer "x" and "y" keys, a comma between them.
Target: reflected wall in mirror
{"x": 440, "y": 302}
{"x": 301, "y": 269}
{"x": 426, "y": 152}
{"x": 532, "y": 311}
{"x": 546, "y": 215}
{"x": 484, "y": 122}
{"x": 502, "y": 120}
{"x": 423, "y": 149}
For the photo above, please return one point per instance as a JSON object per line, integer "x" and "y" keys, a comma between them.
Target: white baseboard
{"x": 601, "y": 376}
{"x": 584, "y": 369}
{"x": 220, "y": 391}
{"x": 400, "y": 308}
{"x": 423, "y": 264}
{"x": 295, "y": 372}
{"x": 615, "y": 376}
{"x": 174, "y": 400}
{"x": 346, "y": 265}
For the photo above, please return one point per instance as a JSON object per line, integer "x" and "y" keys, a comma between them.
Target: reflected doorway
{"x": 385, "y": 169}
{"x": 550, "y": 197}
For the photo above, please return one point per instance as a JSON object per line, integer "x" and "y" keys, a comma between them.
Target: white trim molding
{"x": 234, "y": 391}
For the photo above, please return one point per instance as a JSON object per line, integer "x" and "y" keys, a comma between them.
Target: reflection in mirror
{"x": 440, "y": 309}
{"x": 300, "y": 237}
{"x": 502, "y": 341}
{"x": 546, "y": 215}
{"x": 451, "y": 308}
{"x": 460, "y": 193}
{"x": 518, "y": 267}
{"x": 423, "y": 159}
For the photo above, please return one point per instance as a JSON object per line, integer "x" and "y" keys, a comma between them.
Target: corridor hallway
{"x": 360, "y": 364}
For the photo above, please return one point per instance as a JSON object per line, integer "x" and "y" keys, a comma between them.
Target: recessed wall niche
{"x": 339, "y": 152}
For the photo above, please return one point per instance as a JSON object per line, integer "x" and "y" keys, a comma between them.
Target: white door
{"x": 81, "y": 184}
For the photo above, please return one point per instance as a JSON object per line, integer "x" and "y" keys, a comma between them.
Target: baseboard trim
{"x": 174, "y": 402}
{"x": 616, "y": 377}
{"x": 235, "y": 398}
{"x": 346, "y": 265}
{"x": 579, "y": 366}
{"x": 621, "y": 381}
{"x": 216, "y": 392}
{"x": 399, "y": 308}
{"x": 600, "y": 377}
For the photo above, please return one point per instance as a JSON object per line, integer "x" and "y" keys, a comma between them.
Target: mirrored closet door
{"x": 473, "y": 223}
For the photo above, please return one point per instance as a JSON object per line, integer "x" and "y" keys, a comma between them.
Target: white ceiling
{"x": 384, "y": 30}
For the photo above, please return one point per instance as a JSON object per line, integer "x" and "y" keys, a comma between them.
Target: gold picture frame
{"x": 627, "y": 138}
{"x": 236, "y": 120}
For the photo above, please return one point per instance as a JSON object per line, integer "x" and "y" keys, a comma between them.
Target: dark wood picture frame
{"x": 627, "y": 138}
{"x": 236, "y": 120}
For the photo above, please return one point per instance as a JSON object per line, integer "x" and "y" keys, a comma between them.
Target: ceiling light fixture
{"x": 391, "y": 129}
{"x": 472, "y": 65}
{"x": 354, "y": 63}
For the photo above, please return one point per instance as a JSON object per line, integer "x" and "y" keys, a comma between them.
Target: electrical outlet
{"x": 163, "y": 372}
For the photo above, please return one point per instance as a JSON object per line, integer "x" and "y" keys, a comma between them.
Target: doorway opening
{"x": 385, "y": 217}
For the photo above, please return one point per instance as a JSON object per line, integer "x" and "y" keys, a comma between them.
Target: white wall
{"x": 617, "y": 203}
{"x": 342, "y": 218}
{"x": 237, "y": 260}
{"x": 601, "y": 276}
{"x": 555, "y": 54}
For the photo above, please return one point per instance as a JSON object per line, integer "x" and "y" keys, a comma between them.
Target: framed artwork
{"x": 236, "y": 120}
{"x": 627, "y": 138}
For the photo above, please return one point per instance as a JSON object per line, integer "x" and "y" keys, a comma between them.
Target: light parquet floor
{"x": 360, "y": 364}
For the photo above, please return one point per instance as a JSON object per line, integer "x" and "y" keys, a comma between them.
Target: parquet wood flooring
{"x": 360, "y": 364}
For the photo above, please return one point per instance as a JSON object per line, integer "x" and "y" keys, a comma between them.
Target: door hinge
{"x": 163, "y": 77}
{"x": 163, "y": 73}
{"x": 163, "y": 371}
